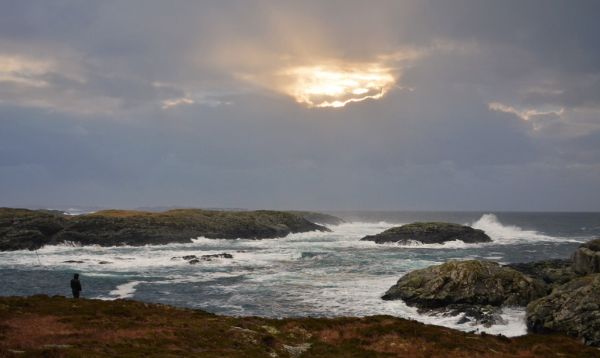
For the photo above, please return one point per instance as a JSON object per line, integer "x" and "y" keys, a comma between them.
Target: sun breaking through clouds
{"x": 329, "y": 86}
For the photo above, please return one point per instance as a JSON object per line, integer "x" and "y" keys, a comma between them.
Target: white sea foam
{"x": 510, "y": 234}
{"x": 125, "y": 290}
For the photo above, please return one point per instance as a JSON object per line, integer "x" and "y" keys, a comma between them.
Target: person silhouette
{"x": 75, "y": 285}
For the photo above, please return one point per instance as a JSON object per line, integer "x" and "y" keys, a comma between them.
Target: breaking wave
{"x": 509, "y": 234}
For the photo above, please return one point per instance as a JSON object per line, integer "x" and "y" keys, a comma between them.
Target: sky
{"x": 324, "y": 105}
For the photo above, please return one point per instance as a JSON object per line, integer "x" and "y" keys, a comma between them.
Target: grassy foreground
{"x": 62, "y": 327}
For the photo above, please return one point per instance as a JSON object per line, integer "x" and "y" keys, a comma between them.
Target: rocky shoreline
{"x": 22, "y": 229}
{"x": 561, "y": 296}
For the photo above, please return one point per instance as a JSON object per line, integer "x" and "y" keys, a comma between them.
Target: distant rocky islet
{"x": 23, "y": 229}
{"x": 429, "y": 233}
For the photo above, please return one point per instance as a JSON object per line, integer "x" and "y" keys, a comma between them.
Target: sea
{"x": 317, "y": 274}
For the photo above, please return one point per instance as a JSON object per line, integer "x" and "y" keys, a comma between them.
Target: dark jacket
{"x": 75, "y": 285}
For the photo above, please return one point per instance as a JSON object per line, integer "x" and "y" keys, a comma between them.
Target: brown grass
{"x": 44, "y": 326}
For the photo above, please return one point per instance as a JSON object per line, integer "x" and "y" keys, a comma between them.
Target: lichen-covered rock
{"x": 466, "y": 282}
{"x": 552, "y": 272}
{"x": 573, "y": 309}
{"x": 429, "y": 233}
{"x": 586, "y": 259}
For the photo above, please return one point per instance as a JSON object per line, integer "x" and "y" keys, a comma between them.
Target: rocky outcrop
{"x": 22, "y": 229}
{"x": 429, "y": 233}
{"x": 573, "y": 309}
{"x": 193, "y": 259}
{"x": 466, "y": 282}
{"x": 586, "y": 259}
{"x": 319, "y": 218}
{"x": 32, "y": 229}
{"x": 551, "y": 272}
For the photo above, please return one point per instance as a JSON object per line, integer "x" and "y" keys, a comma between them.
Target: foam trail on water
{"x": 125, "y": 290}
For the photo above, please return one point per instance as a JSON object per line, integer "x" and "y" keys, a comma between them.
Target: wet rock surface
{"x": 429, "y": 233}
{"x": 485, "y": 315}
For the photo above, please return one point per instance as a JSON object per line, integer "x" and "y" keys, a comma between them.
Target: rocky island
{"x": 429, "y": 233}
{"x": 31, "y": 229}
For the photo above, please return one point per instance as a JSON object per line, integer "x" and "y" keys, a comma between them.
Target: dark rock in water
{"x": 586, "y": 259}
{"x": 573, "y": 309}
{"x": 466, "y": 282}
{"x": 31, "y": 229}
{"x": 216, "y": 256}
{"x": 429, "y": 233}
{"x": 104, "y": 262}
{"x": 484, "y": 315}
{"x": 312, "y": 255}
{"x": 73, "y": 262}
{"x": 552, "y": 272}
{"x": 193, "y": 259}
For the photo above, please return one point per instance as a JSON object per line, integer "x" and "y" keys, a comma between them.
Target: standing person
{"x": 75, "y": 285}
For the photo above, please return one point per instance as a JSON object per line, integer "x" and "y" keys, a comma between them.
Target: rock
{"x": 193, "y": 259}
{"x": 319, "y": 218}
{"x": 552, "y": 272}
{"x": 73, "y": 262}
{"x": 216, "y": 256}
{"x": 572, "y": 309}
{"x": 484, "y": 315}
{"x": 31, "y": 229}
{"x": 296, "y": 351}
{"x": 429, "y": 233}
{"x": 104, "y": 262}
{"x": 22, "y": 229}
{"x": 586, "y": 259}
{"x": 466, "y": 282}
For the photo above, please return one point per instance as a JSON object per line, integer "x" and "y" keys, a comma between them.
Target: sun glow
{"x": 322, "y": 86}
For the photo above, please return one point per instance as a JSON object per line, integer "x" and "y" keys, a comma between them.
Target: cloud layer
{"x": 496, "y": 105}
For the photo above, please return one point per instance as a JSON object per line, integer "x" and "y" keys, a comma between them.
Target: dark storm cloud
{"x": 141, "y": 103}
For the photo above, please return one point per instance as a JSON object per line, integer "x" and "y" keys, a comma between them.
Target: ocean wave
{"x": 125, "y": 290}
{"x": 511, "y": 234}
